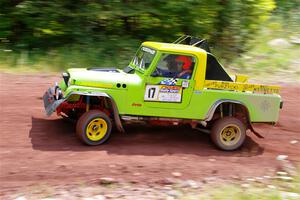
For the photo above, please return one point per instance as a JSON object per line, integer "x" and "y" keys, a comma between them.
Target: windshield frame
{"x": 146, "y": 51}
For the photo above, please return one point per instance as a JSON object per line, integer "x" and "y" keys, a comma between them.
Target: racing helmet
{"x": 186, "y": 62}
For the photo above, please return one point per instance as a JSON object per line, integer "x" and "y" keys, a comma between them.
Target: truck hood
{"x": 107, "y": 78}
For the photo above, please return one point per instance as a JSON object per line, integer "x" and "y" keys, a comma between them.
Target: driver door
{"x": 171, "y": 83}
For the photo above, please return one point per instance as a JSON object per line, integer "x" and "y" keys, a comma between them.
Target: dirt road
{"x": 35, "y": 149}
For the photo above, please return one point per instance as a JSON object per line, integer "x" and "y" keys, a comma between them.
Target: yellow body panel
{"x": 241, "y": 78}
{"x": 242, "y": 87}
{"x": 94, "y": 84}
{"x": 178, "y": 48}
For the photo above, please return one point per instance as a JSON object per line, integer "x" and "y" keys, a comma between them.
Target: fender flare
{"x": 211, "y": 111}
{"x": 117, "y": 118}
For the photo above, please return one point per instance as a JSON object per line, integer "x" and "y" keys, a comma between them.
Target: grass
{"x": 236, "y": 193}
{"x": 269, "y": 190}
{"x": 253, "y": 192}
{"x": 60, "y": 59}
{"x": 102, "y": 54}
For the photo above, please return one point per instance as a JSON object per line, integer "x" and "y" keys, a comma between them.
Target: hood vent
{"x": 112, "y": 70}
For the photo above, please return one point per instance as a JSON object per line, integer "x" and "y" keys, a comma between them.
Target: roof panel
{"x": 174, "y": 47}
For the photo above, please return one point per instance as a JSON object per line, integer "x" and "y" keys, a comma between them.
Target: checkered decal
{"x": 170, "y": 81}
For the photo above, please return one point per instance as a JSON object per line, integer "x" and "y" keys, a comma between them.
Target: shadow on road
{"x": 59, "y": 135}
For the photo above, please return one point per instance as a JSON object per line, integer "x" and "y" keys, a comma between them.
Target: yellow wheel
{"x": 228, "y": 133}
{"x": 93, "y": 127}
{"x": 96, "y": 129}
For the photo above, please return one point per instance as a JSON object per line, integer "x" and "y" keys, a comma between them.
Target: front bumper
{"x": 50, "y": 102}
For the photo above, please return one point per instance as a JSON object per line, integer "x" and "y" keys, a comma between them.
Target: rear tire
{"x": 228, "y": 133}
{"x": 93, "y": 127}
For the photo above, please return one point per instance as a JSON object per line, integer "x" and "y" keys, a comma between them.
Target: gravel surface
{"x": 36, "y": 150}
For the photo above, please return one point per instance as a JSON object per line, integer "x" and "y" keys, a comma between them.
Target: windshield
{"x": 143, "y": 58}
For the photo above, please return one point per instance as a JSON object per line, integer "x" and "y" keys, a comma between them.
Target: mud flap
{"x": 255, "y": 132}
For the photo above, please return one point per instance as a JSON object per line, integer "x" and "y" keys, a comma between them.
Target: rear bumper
{"x": 50, "y": 103}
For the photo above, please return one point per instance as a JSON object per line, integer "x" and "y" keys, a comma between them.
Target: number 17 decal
{"x": 151, "y": 93}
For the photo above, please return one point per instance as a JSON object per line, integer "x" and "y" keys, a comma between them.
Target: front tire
{"x": 228, "y": 133}
{"x": 93, "y": 127}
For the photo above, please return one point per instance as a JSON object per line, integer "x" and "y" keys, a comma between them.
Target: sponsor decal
{"x": 163, "y": 93}
{"x": 136, "y": 104}
{"x": 242, "y": 87}
{"x": 170, "y": 81}
{"x": 185, "y": 84}
{"x": 151, "y": 51}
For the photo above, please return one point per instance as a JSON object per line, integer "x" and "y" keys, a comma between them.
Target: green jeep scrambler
{"x": 164, "y": 84}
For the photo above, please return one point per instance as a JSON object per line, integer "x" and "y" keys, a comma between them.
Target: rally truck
{"x": 164, "y": 84}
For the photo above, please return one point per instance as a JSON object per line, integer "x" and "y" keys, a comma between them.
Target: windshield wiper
{"x": 129, "y": 70}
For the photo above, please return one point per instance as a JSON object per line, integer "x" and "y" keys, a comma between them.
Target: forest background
{"x": 248, "y": 36}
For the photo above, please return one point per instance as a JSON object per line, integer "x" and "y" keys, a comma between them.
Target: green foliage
{"x": 108, "y": 32}
{"x": 238, "y": 22}
{"x": 264, "y": 58}
{"x": 290, "y": 12}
